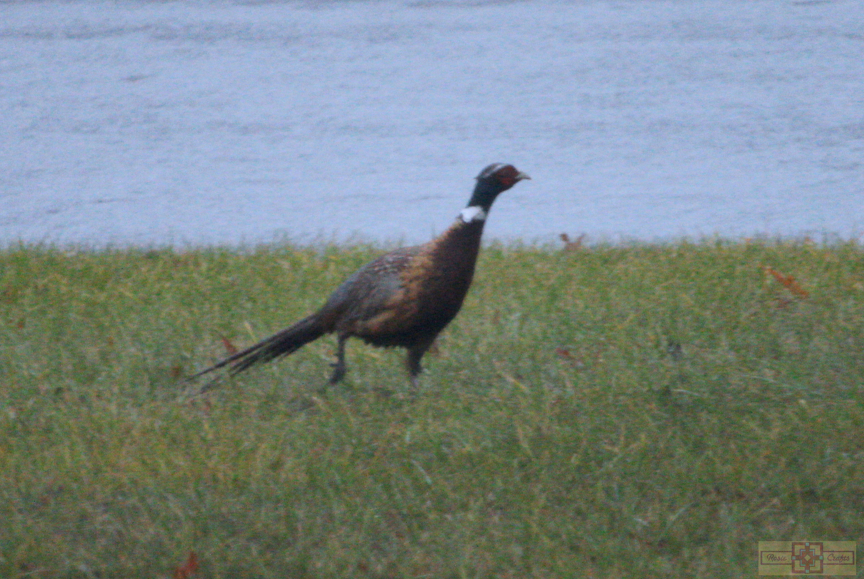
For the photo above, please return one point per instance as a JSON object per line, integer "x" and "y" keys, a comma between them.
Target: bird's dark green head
{"x": 492, "y": 181}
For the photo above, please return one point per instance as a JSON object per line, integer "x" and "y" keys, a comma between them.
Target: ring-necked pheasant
{"x": 404, "y": 298}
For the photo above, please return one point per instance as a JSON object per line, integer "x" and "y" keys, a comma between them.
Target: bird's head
{"x": 493, "y": 180}
{"x": 500, "y": 176}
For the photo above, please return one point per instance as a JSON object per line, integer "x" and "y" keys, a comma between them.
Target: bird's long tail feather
{"x": 280, "y": 344}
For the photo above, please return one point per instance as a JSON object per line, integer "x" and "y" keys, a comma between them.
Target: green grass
{"x": 642, "y": 411}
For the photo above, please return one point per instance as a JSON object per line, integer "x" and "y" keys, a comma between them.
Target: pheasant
{"x": 404, "y": 298}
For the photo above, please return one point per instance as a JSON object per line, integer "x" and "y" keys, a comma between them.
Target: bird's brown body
{"x": 404, "y": 298}
{"x": 426, "y": 287}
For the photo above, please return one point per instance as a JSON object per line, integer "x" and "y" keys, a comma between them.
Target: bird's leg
{"x": 412, "y": 361}
{"x": 339, "y": 367}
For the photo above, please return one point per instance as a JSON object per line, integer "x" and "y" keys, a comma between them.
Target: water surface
{"x": 151, "y": 123}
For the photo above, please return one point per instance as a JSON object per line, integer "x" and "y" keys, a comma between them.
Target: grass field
{"x": 639, "y": 411}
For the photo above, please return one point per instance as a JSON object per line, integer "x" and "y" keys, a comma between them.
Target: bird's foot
{"x": 339, "y": 372}
{"x": 414, "y": 389}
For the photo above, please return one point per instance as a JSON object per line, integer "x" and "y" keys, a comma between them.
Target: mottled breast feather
{"x": 432, "y": 285}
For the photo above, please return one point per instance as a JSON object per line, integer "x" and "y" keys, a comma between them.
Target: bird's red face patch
{"x": 507, "y": 175}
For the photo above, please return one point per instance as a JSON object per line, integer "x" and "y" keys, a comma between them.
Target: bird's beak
{"x": 520, "y": 176}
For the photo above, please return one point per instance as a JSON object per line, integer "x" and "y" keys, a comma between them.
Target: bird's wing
{"x": 371, "y": 290}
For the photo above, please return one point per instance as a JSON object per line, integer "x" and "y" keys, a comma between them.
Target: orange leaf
{"x": 229, "y": 347}
{"x": 788, "y": 282}
{"x": 188, "y": 568}
{"x": 564, "y": 353}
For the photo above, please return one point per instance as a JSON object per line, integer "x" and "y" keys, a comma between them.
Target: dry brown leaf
{"x": 788, "y": 282}
{"x": 564, "y": 353}
{"x": 229, "y": 346}
{"x": 187, "y": 569}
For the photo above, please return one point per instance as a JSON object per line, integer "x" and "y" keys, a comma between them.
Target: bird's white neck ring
{"x": 472, "y": 214}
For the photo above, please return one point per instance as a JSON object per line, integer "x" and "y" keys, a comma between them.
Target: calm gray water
{"x": 152, "y": 123}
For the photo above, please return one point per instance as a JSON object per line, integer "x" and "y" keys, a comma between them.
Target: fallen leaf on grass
{"x": 229, "y": 346}
{"x": 570, "y": 358}
{"x": 788, "y": 282}
{"x": 188, "y": 568}
{"x": 564, "y": 353}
